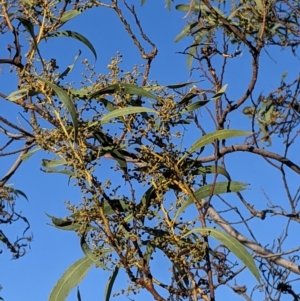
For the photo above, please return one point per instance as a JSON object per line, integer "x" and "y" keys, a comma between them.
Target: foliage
{"x": 140, "y": 124}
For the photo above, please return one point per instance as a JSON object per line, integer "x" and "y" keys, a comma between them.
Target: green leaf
{"x": 211, "y": 189}
{"x": 18, "y": 192}
{"x": 30, "y": 3}
{"x": 186, "y": 7}
{"x": 178, "y": 86}
{"x": 194, "y": 106}
{"x": 268, "y": 114}
{"x": 212, "y": 169}
{"x": 193, "y": 48}
{"x": 81, "y": 93}
{"x": 68, "y": 224}
{"x": 21, "y": 93}
{"x": 146, "y": 199}
{"x": 265, "y": 131}
{"x": 77, "y": 36}
{"x": 219, "y": 93}
{"x": 183, "y": 275}
{"x": 67, "y": 101}
{"x": 116, "y": 154}
{"x": 185, "y": 31}
{"x": 29, "y": 154}
{"x": 232, "y": 15}
{"x": 78, "y": 294}
{"x": 259, "y": 4}
{"x": 233, "y": 245}
{"x": 68, "y": 15}
{"x": 17, "y": 94}
{"x": 187, "y": 98}
{"x": 126, "y": 88}
{"x": 69, "y": 173}
{"x": 168, "y": 4}
{"x": 53, "y": 163}
{"x": 64, "y": 223}
{"x": 69, "y": 68}
{"x": 88, "y": 252}
{"x": 110, "y": 284}
{"x": 29, "y": 27}
{"x": 109, "y": 106}
{"x": 149, "y": 251}
{"x": 143, "y": 2}
{"x": 119, "y": 205}
{"x": 125, "y": 111}
{"x": 72, "y": 276}
{"x": 210, "y": 138}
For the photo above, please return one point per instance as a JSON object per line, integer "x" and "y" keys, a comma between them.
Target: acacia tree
{"x": 140, "y": 124}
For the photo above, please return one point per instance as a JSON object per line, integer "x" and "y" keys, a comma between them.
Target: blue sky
{"x": 52, "y": 251}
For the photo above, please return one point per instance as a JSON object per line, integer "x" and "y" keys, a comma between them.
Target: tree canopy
{"x": 187, "y": 175}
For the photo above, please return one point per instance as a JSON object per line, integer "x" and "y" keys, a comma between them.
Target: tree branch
{"x": 254, "y": 150}
{"x": 249, "y": 243}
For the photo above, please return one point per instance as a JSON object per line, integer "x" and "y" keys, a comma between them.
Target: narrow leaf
{"x": 126, "y": 88}
{"x": 212, "y": 169}
{"x": 178, "y": 86}
{"x": 115, "y": 153}
{"x": 81, "y": 93}
{"x": 29, "y": 27}
{"x": 69, "y": 173}
{"x": 146, "y": 200}
{"x": 186, "y": 7}
{"x": 185, "y": 31}
{"x": 210, "y": 138}
{"x": 233, "y": 245}
{"x": 53, "y": 163}
{"x": 64, "y": 224}
{"x": 119, "y": 205}
{"x": 168, "y": 4}
{"x": 18, "y": 192}
{"x": 17, "y": 94}
{"x": 149, "y": 251}
{"x": 110, "y": 284}
{"x": 68, "y": 15}
{"x": 182, "y": 273}
{"x": 78, "y": 294}
{"x": 88, "y": 252}
{"x": 109, "y": 107}
{"x": 259, "y": 4}
{"x": 193, "y": 48}
{"x": 194, "y": 106}
{"x": 72, "y": 276}
{"x": 187, "y": 97}
{"x": 68, "y": 224}
{"x": 29, "y": 154}
{"x": 211, "y": 189}
{"x": 70, "y": 67}
{"x": 66, "y": 100}
{"x": 219, "y": 93}
{"x": 125, "y": 111}
{"x": 77, "y": 36}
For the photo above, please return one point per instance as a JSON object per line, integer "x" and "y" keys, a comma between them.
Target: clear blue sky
{"x": 52, "y": 251}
